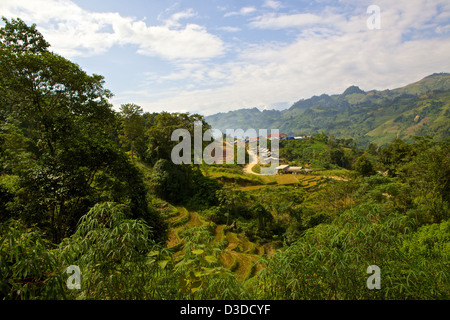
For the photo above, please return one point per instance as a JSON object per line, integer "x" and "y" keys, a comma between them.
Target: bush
{"x": 114, "y": 254}
{"x": 330, "y": 260}
{"x": 28, "y": 267}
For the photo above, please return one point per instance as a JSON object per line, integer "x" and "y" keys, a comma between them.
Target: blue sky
{"x": 219, "y": 55}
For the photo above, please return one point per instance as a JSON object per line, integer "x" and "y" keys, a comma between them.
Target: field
{"x": 236, "y": 252}
{"x": 308, "y": 182}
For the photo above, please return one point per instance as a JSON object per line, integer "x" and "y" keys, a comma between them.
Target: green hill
{"x": 375, "y": 116}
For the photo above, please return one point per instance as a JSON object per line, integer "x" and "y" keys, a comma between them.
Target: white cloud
{"x": 243, "y": 12}
{"x": 282, "y": 21}
{"x": 173, "y": 20}
{"x": 272, "y": 4}
{"x": 230, "y": 29}
{"x": 73, "y": 31}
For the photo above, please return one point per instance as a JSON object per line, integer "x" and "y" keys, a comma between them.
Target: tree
{"x": 262, "y": 215}
{"x": 394, "y": 155}
{"x": 428, "y": 173}
{"x": 337, "y": 156}
{"x": 363, "y": 166}
{"x": 159, "y": 135}
{"x": 20, "y": 38}
{"x": 232, "y": 202}
{"x": 132, "y": 124}
{"x": 171, "y": 182}
{"x": 373, "y": 149}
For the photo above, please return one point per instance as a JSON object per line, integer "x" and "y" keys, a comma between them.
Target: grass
{"x": 256, "y": 168}
{"x": 268, "y": 179}
{"x": 240, "y": 179}
{"x": 306, "y": 181}
{"x": 181, "y": 219}
{"x": 286, "y": 179}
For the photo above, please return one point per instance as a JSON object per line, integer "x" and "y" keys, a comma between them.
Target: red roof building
{"x": 276, "y": 136}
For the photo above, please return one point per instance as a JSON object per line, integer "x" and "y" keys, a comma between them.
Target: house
{"x": 273, "y": 136}
{"x": 288, "y": 169}
{"x": 282, "y": 168}
{"x": 294, "y": 170}
{"x": 271, "y": 159}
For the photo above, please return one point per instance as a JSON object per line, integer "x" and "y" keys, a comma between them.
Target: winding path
{"x": 248, "y": 167}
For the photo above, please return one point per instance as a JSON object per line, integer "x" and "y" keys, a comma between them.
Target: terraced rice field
{"x": 308, "y": 182}
{"x": 239, "y": 254}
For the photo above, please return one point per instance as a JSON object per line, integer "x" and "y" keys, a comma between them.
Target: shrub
{"x": 28, "y": 267}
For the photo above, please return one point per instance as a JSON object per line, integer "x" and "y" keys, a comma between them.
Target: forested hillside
{"x": 374, "y": 116}
{"x": 89, "y": 188}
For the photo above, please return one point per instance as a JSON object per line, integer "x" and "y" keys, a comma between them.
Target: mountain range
{"x": 420, "y": 108}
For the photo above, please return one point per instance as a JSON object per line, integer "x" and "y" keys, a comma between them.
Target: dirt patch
{"x": 194, "y": 220}
{"x": 232, "y": 241}
{"x": 227, "y": 259}
{"x": 178, "y": 216}
{"x": 336, "y": 178}
{"x": 268, "y": 249}
{"x": 218, "y": 234}
{"x": 245, "y": 263}
{"x": 173, "y": 239}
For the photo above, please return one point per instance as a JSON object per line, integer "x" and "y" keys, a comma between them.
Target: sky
{"x": 210, "y": 56}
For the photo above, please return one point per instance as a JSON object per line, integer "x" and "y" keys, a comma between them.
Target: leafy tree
{"x": 21, "y": 38}
{"x": 232, "y": 202}
{"x": 159, "y": 135}
{"x": 373, "y": 148}
{"x": 171, "y": 182}
{"x": 394, "y": 155}
{"x": 132, "y": 125}
{"x": 338, "y": 157}
{"x": 203, "y": 190}
{"x": 363, "y": 166}
{"x": 262, "y": 215}
{"x": 428, "y": 175}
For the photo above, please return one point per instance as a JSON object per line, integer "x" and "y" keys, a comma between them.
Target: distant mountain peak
{"x": 352, "y": 90}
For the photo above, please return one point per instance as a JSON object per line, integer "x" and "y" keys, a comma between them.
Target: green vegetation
{"x": 83, "y": 185}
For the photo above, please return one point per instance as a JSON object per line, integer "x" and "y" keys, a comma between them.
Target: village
{"x": 268, "y": 157}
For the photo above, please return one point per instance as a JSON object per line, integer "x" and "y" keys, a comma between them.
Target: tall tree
{"x": 132, "y": 125}
{"x": 363, "y": 166}
{"x": 159, "y": 135}
{"x": 394, "y": 155}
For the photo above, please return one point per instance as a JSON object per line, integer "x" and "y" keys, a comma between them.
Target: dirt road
{"x": 252, "y": 162}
